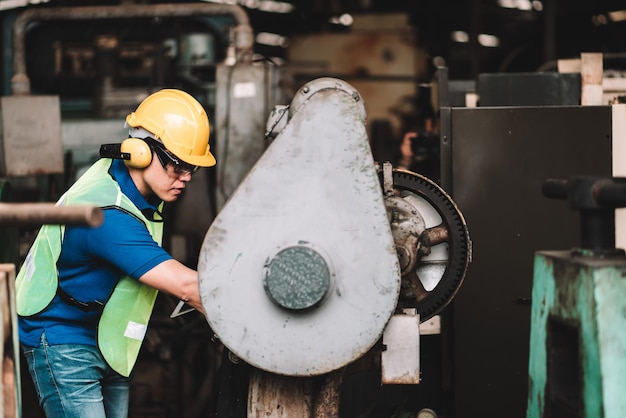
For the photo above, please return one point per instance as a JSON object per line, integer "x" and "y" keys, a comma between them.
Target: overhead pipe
{"x": 242, "y": 32}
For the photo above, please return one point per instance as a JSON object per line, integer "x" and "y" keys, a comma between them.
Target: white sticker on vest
{"x": 135, "y": 330}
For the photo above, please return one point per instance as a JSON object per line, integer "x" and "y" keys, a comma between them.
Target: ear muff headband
{"x": 135, "y": 152}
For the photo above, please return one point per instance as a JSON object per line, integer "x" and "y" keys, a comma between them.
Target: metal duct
{"x": 20, "y": 84}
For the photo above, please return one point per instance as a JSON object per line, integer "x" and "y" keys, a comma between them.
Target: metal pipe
{"x": 20, "y": 84}
{"x": 49, "y": 213}
{"x": 610, "y": 192}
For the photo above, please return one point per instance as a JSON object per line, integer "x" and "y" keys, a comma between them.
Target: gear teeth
{"x": 460, "y": 249}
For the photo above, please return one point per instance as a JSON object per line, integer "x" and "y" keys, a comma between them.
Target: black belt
{"x": 94, "y": 306}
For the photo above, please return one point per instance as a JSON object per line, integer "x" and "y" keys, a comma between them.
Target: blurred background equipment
{"x": 502, "y": 94}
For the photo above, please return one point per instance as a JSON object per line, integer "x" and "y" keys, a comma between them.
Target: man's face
{"x": 166, "y": 176}
{"x": 165, "y": 183}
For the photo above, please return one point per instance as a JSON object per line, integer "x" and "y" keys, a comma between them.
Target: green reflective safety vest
{"x": 126, "y": 314}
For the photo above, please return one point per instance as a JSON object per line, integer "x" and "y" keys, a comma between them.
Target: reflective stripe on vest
{"x": 127, "y": 312}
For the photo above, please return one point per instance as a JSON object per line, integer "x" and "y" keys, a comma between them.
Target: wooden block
{"x": 10, "y": 394}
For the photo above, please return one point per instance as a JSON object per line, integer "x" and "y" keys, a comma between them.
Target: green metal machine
{"x": 577, "y": 364}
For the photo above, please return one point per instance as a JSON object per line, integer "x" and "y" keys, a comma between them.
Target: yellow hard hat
{"x": 179, "y": 121}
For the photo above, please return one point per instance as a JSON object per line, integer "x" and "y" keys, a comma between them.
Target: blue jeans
{"x": 74, "y": 381}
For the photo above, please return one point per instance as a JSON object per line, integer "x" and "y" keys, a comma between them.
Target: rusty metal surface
{"x": 30, "y": 141}
{"x": 577, "y": 362}
{"x": 400, "y": 360}
{"x": 327, "y": 399}
{"x": 49, "y": 213}
{"x": 274, "y": 396}
{"x": 431, "y": 238}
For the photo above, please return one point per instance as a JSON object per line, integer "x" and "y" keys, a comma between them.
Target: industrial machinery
{"x": 577, "y": 362}
{"x": 320, "y": 252}
{"x": 386, "y": 249}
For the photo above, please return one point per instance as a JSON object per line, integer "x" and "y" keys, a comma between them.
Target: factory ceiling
{"x": 475, "y": 36}
{"x": 469, "y": 36}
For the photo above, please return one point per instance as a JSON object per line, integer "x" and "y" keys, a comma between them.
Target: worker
{"x": 419, "y": 151}
{"x": 85, "y": 295}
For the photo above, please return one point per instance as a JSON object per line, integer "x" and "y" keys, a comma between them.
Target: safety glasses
{"x": 165, "y": 157}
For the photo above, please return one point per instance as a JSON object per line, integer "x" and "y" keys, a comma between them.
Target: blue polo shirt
{"x": 91, "y": 262}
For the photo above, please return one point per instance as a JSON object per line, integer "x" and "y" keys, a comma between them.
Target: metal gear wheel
{"x": 431, "y": 237}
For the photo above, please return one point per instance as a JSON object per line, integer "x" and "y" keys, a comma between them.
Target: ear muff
{"x": 139, "y": 151}
{"x": 135, "y": 152}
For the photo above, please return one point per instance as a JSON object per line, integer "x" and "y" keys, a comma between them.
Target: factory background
{"x": 504, "y": 95}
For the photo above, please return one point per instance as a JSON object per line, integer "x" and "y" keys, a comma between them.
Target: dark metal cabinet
{"x": 494, "y": 162}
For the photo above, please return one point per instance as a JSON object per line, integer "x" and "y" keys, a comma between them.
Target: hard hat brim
{"x": 207, "y": 160}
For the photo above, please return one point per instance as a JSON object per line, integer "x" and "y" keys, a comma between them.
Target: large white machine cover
{"x": 316, "y": 187}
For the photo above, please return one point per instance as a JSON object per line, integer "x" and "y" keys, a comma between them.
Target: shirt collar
{"x": 120, "y": 173}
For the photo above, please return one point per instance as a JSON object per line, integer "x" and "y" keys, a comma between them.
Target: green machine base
{"x": 577, "y": 364}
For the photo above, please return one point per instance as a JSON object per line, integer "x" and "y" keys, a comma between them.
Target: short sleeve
{"x": 124, "y": 242}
